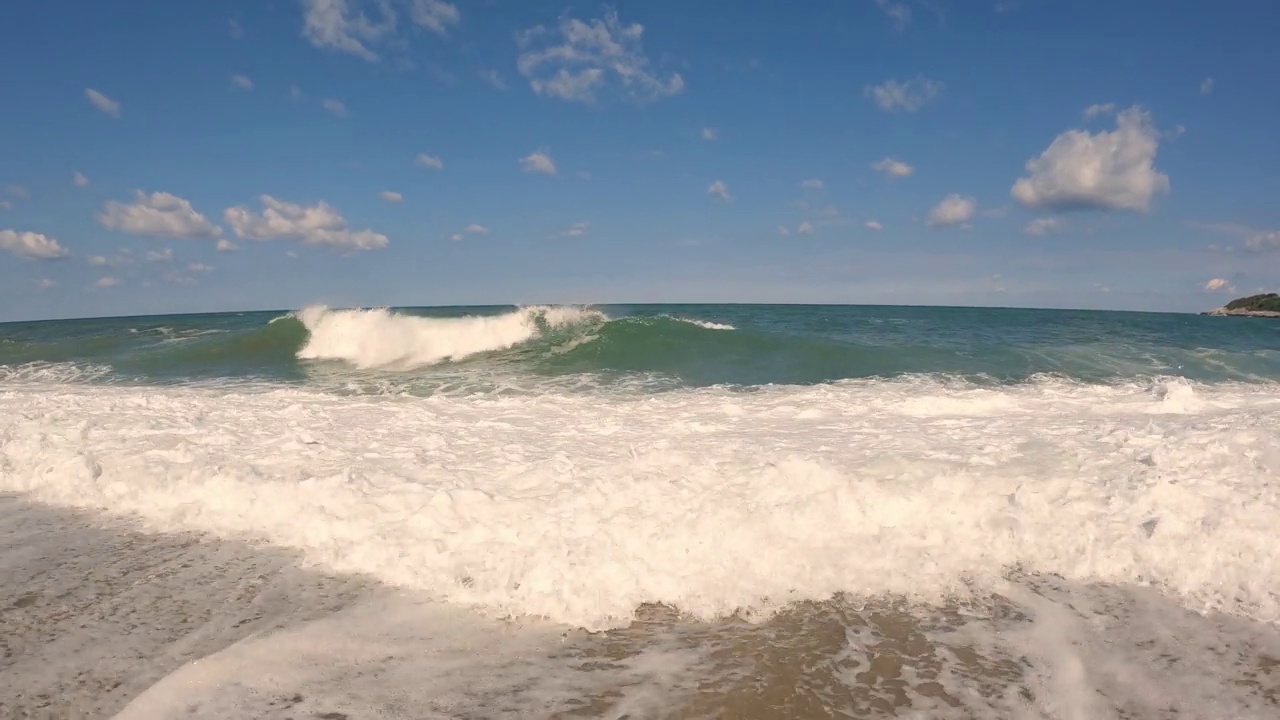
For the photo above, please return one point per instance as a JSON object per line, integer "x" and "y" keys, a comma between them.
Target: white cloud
{"x": 429, "y": 161}
{"x": 1206, "y": 86}
{"x": 242, "y": 82}
{"x": 710, "y": 133}
{"x": 336, "y": 107}
{"x": 160, "y": 256}
{"x": 578, "y": 229}
{"x": 812, "y": 184}
{"x": 805, "y": 228}
{"x": 234, "y": 29}
{"x": 318, "y": 224}
{"x": 197, "y": 267}
{"x": 107, "y": 282}
{"x": 1042, "y": 226}
{"x": 456, "y": 237}
{"x": 783, "y": 230}
{"x": 474, "y": 229}
{"x": 494, "y": 78}
{"x": 1263, "y": 241}
{"x": 908, "y": 96}
{"x": 579, "y": 57}
{"x": 893, "y": 168}
{"x": 5, "y": 205}
{"x": 899, "y": 13}
{"x": 719, "y": 189}
{"x": 159, "y": 214}
{"x": 1107, "y": 170}
{"x": 123, "y": 258}
{"x": 953, "y": 210}
{"x": 538, "y": 162}
{"x": 80, "y": 180}
{"x": 1217, "y": 284}
{"x": 874, "y": 225}
{"x": 295, "y": 93}
{"x": 45, "y": 284}
{"x": 225, "y": 245}
{"x": 435, "y": 15}
{"x": 391, "y": 197}
{"x": 19, "y": 192}
{"x": 333, "y": 24}
{"x": 31, "y": 245}
{"x": 102, "y": 102}
{"x": 1095, "y": 110}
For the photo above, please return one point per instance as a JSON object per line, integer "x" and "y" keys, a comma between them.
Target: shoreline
{"x": 1223, "y": 312}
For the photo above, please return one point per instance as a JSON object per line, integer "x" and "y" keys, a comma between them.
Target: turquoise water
{"x": 653, "y": 346}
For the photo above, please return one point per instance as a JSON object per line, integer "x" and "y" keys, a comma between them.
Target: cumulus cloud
{"x": 805, "y": 228}
{"x": 908, "y": 96}
{"x": 197, "y": 267}
{"x": 429, "y": 161}
{"x": 1218, "y": 284}
{"x": 435, "y": 15}
{"x": 899, "y": 13}
{"x": 225, "y": 245}
{"x": 893, "y": 168}
{"x": 1107, "y": 170}
{"x": 1095, "y": 110}
{"x": 242, "y": 82}
{"x": 783, "y": 230}
{"x": 812, "y": 184}
{"x": 122, "y": 258}
{"x": 80, "y": 180}
{"x": 335, "y": 107}
{"x": 474, "y": 229}
{"x": 394, "y": 198}
{"x": 710, "y": 133}
{"x": 159, "y": 214}
{"x": 336, "y": 25}
{"x": 107, "y": 282}
{"x": 45, "y": 284}
{"x": 102, "y": 102}
{"x": 1042, "y": 226}
{"x": 318, "y": 224}
{"x": 538, "y": 162}
{"x": 160, "y": 256}
{"x": 1206, "y": 86}
{"x": 954, "y": 209}
{"x": 874, "y": 225}
{"x": 577, "y": 60}
{"x": 19, "y": 192}
{"x": 31, "y": 245}
{"x": 719, "y": 189}
{"x": 1258, "y": 242}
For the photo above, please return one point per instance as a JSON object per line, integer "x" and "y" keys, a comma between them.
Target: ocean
{"x": 699, "y": 511}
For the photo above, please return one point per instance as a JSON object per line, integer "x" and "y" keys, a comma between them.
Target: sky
{"x": 164, "y": 157}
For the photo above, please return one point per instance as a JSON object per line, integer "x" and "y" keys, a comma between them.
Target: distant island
{"x": 1264, "y": 305}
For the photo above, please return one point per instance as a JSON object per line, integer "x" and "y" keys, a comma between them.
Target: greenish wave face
{"x": 644, "y": 347}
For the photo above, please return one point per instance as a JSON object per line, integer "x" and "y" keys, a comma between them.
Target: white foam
{"x": 706, "y": 324}
{"x": 580, "y": 506}
{"x": 380, "y": 338}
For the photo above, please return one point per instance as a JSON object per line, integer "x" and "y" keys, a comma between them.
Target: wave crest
{"x": 382, "y": 338}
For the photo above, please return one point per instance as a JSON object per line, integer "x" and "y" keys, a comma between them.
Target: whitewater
{"x": 710, "y": 511}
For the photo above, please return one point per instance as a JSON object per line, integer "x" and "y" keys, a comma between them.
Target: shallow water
{"x": 708, "y": 528}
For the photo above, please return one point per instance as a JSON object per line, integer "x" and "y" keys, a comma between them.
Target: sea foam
{"x": 580, "y": 507}
{"x": 381, "y": 338}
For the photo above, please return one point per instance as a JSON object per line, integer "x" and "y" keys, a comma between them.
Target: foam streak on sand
{"x": 579, "y": 509}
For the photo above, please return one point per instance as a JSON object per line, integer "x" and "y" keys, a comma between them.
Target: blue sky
{"x": 181, "y": 157}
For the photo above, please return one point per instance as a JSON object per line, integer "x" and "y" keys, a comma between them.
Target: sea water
{"x": 680, "y": 511}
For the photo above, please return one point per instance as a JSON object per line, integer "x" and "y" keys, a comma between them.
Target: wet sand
{"x": 95, "y": 615}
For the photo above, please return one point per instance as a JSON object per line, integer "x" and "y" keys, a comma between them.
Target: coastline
{"x": 1224, "y": 312}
